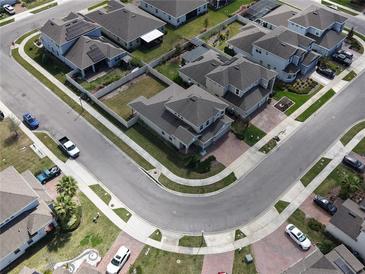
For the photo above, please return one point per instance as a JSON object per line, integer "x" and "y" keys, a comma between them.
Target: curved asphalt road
{"x": 236, "y": 206}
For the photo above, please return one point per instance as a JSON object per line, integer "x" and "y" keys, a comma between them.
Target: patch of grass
{"x": 234, "y": 7}
{"x": 247, "y": 132}
{"x": 239, "y": 265}
{"x": 152, "y": 261}
{"x": 347, "y": 137}
{"x": 351, "y": 75}
{"x": 281, "y": 205}
{"x": 166, "y": 182}
{"x": 5, "y": 22}
{"x": 331, "y": 64}
{"x": 238, "y": 235}
{"x": 339, "y": 8}
{"x": 170, "y": 69}
{"x": 268, "y": 146}
{"x": 351, "y": 4}
{"x": 123, "y": 213}
{"x": 100, "y": 191}
{"x": 57, "y": 246}
{"x": 192, "y": 241}
{"x": 35, "y": 3}
{"x": 94, "y": 122}
{"x": 25, "y": 35}
{"x": 145, "y": 85}
{"x": 360, "y": 148}
{"x": 51, "y": 145}
{"x": 219, "y": 40}
{"x": 316, "y": 105}
{"x": 314, "y": 171}
{"x": 97, "y": 5}
{"x": 156, "y": 235}
{"x": 17, "y": 152}
{"x": 334, "y": 179}
{"x": 44, "y": 8}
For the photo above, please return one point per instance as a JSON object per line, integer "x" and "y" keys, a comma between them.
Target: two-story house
{"x": 285, "y": 51}
{"x": 175, "y": 12}
{"x": 322, "y": 25}
{"x": 24, "y": 217}
{"x": 184, "y": 117}
{"x": 348, "y": 226}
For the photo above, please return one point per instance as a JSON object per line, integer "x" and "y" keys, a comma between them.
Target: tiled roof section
{"x": 128, "y": 23}
{"x": 15, "y": 193}
{"x": 69, "y": 28}
{"x": 329, "y": 39}
{"x": 245, "y": 39}
{"x": 280, "y": 16}
{"x": 318, "y": 17}
{"x": 176, "y": 8}
{"x": 86, "y": 52}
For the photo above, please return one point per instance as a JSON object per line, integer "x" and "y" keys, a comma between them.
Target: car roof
{"x": 297, "y": 232}
{"x": 121, "y": 251}
{"x": 351, "y": 158}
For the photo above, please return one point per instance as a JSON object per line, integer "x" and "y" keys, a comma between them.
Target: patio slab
{"x": 268, "y": 118}
{"x": 216, "y": 263}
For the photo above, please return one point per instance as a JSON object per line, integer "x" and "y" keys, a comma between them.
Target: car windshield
{"x": 115, "y": 262}
{"x": 301, "y": 237}
{"x": 71, "y": 147}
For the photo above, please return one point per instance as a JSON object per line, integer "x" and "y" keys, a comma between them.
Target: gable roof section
{"x": 37, "y": 187}
{"x": 317, "y": 17}
{"x": 245, "y": 39}
{"x": 69, "y": 28}
{"x": 280, "y": 16}
{"x": 176, "y": 8}
{"x": 329, "y": 39}
{"x": 128, "y": 23}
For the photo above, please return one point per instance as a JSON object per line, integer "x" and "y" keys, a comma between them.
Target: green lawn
{"x": 347, "y": 137}
{"x": 314, "y": 171}
{"x": 234, "y": 7}
{"x": 51, "y": 145}
{"x": 351, "y": 4}
{"x": 233, "y": 29}
{"x": 351, "y": 75}
{"x": 97, "y": 5}
{"x": 238, "y": 235}
{"x": 268, "y": 146}
{"x": 123, "y": 213}
{"x": 44, "y": 8}
{"x": 25, "y": 35}
{"x": 239, "y": 265}
{"x": 316, "y": 105}
{"x": 166, "y": 182}
{"x": 17, "y": 153}
{"x": 334, "y": 179}
{"x": 170, "y": 69}
{"x": 5, "y": 22}
{"x": 64, "y": 246}
{"x": 156, "y": 235}
{"x": 360, "y": 148}
{"x": 192, "y": 241}
{"x": 35, "y": 3}
{"x": 100, "y": 191}
{"x": 145, "y": 85}
{"x": 247, "y": 132}
{"x": 156, "y": 261}
{"x": 281, "y": 205}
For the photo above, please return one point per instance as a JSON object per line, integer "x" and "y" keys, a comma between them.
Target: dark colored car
{"x": 48, "y": 174}
{"x": 326, "y": 72}
{"x": 2, "y": 115}
{"x": 342, "y": 59}
{"x": 325, "y": 204}
{"x": 354, "y": 163}
{"x": 30, "y": 121}
{"x": 347, "y": 53}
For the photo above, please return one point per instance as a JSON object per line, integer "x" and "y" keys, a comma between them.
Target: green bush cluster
{"x": 349, "y": 185}
{"x": 194, "y": 163}
{"x": 239, "y": 128}
{"x": 315, "y": 225}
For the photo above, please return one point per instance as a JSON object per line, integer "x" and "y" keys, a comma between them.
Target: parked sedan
{"x": 119, "y": 260}
{"x": 9, "y": 9}
{"x": 326, "y": 72}
{"x": 30, "y": 121}
{"x": 298, "y": 237}
{"x": 354, "y": 163}
{"x": 347, "y": 53}
{"x": 342, "y": 59}
{"x": 325, "y": 204}
{"x": 48, "y": 174}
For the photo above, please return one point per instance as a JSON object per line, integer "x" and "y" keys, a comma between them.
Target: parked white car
{"x": 9, "y": 9}
{"x": 298, "y": 236}
{"x": 119, "y": 260}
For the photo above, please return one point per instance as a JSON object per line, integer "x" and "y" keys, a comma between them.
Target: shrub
{"x": 239, "y": 127}
{"x": 326, "y": 246}
{"x": 204, "y": 166}
{"x": 349, "y": 186}
{"x": 229, "y": 51}
{"x": 315, "y": 225}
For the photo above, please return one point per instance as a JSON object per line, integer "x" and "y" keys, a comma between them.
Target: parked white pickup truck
{"x": 69, "y": 147}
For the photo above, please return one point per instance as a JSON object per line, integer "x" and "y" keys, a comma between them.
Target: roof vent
{"x": 315, "y": 12}
{"x": 193, "y": 99}
{"x": 236, "y": 67}
{"x": 282, "y": 44}
{"x": 352, "y": 214}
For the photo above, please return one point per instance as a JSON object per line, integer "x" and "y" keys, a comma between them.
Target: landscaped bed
{"x": 144, "y": 85}
{"x": 247, "y": 132}
{"x": 171, "y": 70}
{"x": 331, "y": 64}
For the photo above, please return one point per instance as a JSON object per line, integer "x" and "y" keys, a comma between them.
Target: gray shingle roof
{"x": 280, "y": 16}
{"x": 193, "y": 55}
{"x": 82, "y": 52}
{"x": 128, "y": 23}
{"x": 245, "y": 39}
{"x": 342, "y": 252}
{"x": 66, "y": 29}
{"x": 176, "y": 8}
{"x": 310, "y": 57}
{"x": 329, "y": 39}
{"x": 318, "y": 17}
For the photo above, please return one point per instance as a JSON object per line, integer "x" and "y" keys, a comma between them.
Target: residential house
{"x": 322, "y": 25}
{"x": 9, "y": 2}
{"x": 217, "y": 4}
{"x": 348, "y": 226}
{"x": 340, "y": 260}
{"x": 175, "y": 12}
{"x": 24, "y": 217}
{"x": 283, "y": 50}
{"x": 184, "y": 117}
{"x": 128, "y": 25}
{"x": 278, "y": 17}
{"x": 76, "y": 42}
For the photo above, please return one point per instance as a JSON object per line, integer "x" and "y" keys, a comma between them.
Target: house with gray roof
{"x": 322, "y": 25}
{"x": 340, "y": 260}
{"x": 285, "y": 51}
{"x": 348, "y": 226}
{"x": 175, "y": 12}
{"x": 24, "y": 217}
{"x": 128, "y": 25}
{"x": 184, "y": 117}
{"x": 278, "y": 17}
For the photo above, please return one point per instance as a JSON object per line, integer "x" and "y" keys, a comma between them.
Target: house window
{"x": 17, "y": 251}
{"x": 169, "y": 17}
{"x": 268, "y": 66}
{"x": 237, "y": 92}
{"x": 201, "y": 127}
{"x": 258, "y": 51}
{"x": 146, "y": 5}
{"x": 207, "y": 123}
{"x": 170, "y": 139}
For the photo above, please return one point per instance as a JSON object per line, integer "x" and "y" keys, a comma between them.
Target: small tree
{"x": 178, "y": 49}
{"x": 67, "y": 186}
{"x": 349, "y": 185}
{"x": 65, "y": 208}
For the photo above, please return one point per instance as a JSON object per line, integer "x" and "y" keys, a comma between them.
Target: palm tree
{"x": 67, "y": 186}
{"x": 64, "y": 208}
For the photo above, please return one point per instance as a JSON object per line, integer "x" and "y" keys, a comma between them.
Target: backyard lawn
{"x": 170, "y": 69}
{"x": 153, "y": 261}
{"x": 63, "y": 246}
{"x": 230, "y": 31}
{"x": 239, "y": 266}
{"x": 145, "y": 85}
{"x": 234, "y": 6}
{"x": 17, "y": 152}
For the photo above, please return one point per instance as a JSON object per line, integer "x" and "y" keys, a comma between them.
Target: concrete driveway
{"x": 277, "y": 252}
{"x": 312, "y": 210}
{"x": 268, "y": 118}
{"x": 215, "y": 263}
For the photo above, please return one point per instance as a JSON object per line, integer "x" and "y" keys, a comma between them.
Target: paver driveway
{"x": 268, "y": 118}
{"x": 312, "y": 210}
{"x": 215, "y": 263}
